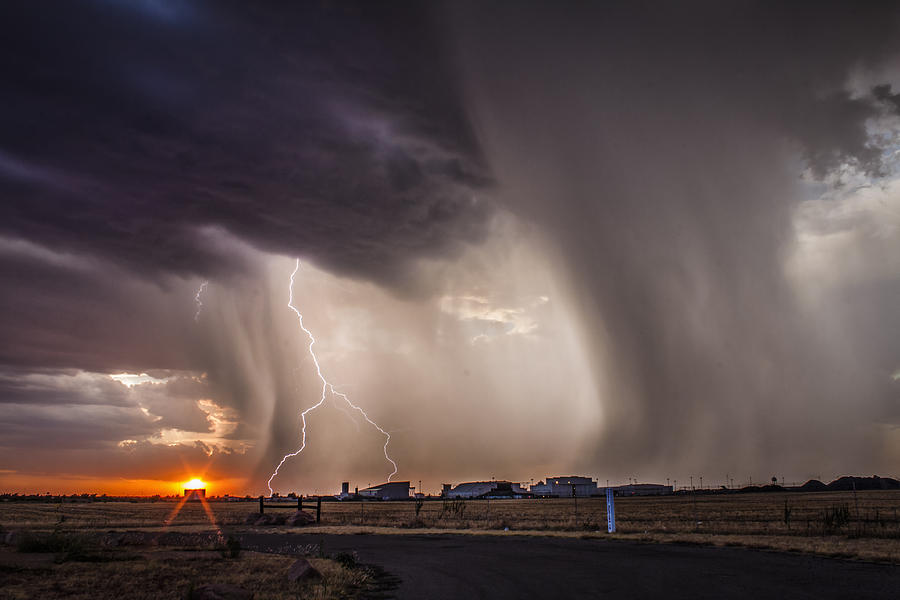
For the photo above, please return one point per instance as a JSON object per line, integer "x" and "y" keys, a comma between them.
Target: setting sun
{"x": 195, "y": 484}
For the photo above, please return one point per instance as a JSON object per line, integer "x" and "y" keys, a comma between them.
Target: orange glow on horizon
{"x": 194, "y": 484}
{"x": 22, "y": 483}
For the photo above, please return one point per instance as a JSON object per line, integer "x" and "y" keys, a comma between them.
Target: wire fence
{"x": 873, "y": 514}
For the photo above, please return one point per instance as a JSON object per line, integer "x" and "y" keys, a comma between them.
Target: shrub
{"x": 453, "y": 508}
{"x": 231, "y": 548}
{"x": 65, "y": 546}
{"x": 348, "y": 560}
{"x": 836, "y": 516}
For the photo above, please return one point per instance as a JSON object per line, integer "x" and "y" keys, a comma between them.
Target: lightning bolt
{"x": 326, "y": 388}
{"x": 199, "y": 301}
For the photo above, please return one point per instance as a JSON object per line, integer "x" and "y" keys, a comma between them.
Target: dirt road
{"x": 455, "y": 566}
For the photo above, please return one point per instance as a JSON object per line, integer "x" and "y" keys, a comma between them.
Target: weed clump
{"x": 348, "y": 560}
{"x": 454, "y": 509}
{"x": 836, "y": 516}
{"x": 231, "y": 548}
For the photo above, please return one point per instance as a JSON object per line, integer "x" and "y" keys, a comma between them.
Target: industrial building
{"x": 566, "y": 487}
{"x": 392, "y": 490}
{"x": 487, "y": 489}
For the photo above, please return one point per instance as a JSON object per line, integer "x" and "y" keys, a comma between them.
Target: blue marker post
{"x": 610, "y": 511}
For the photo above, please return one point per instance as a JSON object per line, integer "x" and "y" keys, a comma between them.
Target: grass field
{"x": 167, "y": 574}
{"x": 864, "y": 514}
{"x": 863, "y": 525}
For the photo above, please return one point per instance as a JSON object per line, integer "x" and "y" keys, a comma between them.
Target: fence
{"x": 301, "y": 504}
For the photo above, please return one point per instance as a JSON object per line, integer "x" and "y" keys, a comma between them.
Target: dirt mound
{"x": 300, "y": 518}
{"x": 863, "y": 483}
{"x": 813, "y": 485}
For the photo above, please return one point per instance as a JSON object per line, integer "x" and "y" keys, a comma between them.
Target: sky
{"x": 629, "y": 240}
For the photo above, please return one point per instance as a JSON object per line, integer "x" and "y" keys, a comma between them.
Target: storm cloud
{"x": 621, "y": 239}
{"x": 331, "y": 132}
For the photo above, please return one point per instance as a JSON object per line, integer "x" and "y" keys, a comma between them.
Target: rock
{"x": 263, "y": 520}
{"x": 299, "y": 519}
{"x": 301, "y": 570}
{"x": 252, "y": 518}
{"x": 219, "y": 591}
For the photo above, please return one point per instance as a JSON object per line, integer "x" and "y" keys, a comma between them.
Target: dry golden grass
{"x": 111, "y": 515}
{"x": 171, "y": 574}
{"x": 872, "y": 530}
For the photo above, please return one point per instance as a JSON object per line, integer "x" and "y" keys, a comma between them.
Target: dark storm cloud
{"x": 70, "y": 426}
{"x": 833, "y": 133}
{"x": 61, "y": 388}
{"x": 330, "y": 132}
{"x": 883, "y": 93}
{"x": 68, "y": 311}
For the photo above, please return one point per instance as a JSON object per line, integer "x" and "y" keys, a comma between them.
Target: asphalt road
{"x": 453, "y": 566}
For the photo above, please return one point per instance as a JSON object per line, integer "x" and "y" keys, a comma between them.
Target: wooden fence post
{"x": 262, "y": 509}
{"x": 318, "y": 509}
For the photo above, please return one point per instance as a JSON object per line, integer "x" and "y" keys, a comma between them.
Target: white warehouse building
{"x": 487, "y": 489}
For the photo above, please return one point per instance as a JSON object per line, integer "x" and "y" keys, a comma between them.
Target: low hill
{"x": 813, "y": 485}
{"x": 863, "y": 483}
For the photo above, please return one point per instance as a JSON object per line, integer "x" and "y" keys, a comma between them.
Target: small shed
{"x": 194, "y": 494}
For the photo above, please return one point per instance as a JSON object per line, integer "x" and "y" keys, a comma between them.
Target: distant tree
{"x": 774, "y": 481}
